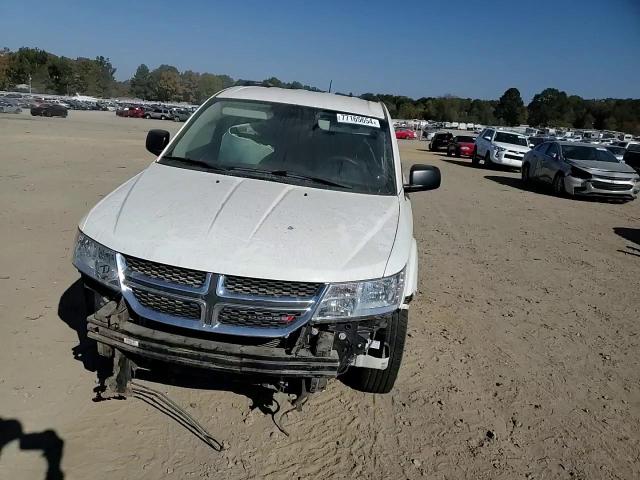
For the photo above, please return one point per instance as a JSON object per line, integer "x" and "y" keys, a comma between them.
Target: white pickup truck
{"x": 272, "y": 236}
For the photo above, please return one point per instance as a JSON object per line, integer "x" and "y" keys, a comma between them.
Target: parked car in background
{"x": 535, "y": 141}
{"x": 9, "y": 107}
{"x": 405, "y": 134}
{"x": 49, "y": 110}
{"x": 440, "y": 141}
{"x": 617, "y": 151}
{"x": 500, "y": 147}
{"x": 461, "y": 146}
{"x": 158, "y": 113}
{"x": 428, "y": 134}
{"x": 632, "y": 156}
{"x": 131, "y": 111}
{"x": 580, "y": 169}
{"x": 180, "y": 114}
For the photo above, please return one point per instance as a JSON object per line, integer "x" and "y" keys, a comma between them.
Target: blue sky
{"x": 422, "y": 48}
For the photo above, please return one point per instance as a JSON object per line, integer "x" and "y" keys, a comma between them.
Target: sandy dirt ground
{"x": 522, "y": 361}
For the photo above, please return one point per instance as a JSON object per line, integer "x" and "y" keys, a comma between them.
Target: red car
{"x": 405, "y": 134}
{"x": 135, "y": 112}
{"x": 461, "y": 146}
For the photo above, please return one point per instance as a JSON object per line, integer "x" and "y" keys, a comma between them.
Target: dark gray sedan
{"x": 580, "y": 169}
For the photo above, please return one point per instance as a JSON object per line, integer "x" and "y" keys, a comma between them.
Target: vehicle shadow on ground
{"x": 461, "y": 162}
{"x": 542, "y": 189}
{"x": 631, "y": 235}
{"x": 514, "y": 182}
{"x": 47, "y": 441}
{"x": 72, "y": 311}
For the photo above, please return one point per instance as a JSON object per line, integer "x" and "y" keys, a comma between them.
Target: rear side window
{"x": 488, "y": 133}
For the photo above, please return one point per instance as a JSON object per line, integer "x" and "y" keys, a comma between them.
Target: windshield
{"x": 617, "y": 150}
{"x": 511, "y": 138}
{"x": 535, "y": 141}
{"x": 466, "y": 139}
{"x": 290, "y": 144}
{"x": 583, "y": 152}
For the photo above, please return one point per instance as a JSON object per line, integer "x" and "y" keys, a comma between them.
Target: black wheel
{"x": 458, "y": 152}
{"x": 430, "y": 148}
{"x": 147, "y": 116}
{"x": 448, "y": 152}
{"x": 162, "y": 117}
{"x": 382, "y": 381}
{"x": 526, "y": 177}
{"x": 474, "y": 158}
{"x": 558, "y": 185}
{"x": 487, "y": 160}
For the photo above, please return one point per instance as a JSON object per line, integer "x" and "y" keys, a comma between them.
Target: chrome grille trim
{"x": 212, "y": 298}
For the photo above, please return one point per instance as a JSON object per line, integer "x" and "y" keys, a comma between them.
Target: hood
{"x": 601, "y": 167}
{"x": 512, "y": 147}
{"x": 246, "y": 227}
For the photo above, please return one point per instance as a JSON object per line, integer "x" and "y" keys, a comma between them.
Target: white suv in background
{"x": 500, "y": 147}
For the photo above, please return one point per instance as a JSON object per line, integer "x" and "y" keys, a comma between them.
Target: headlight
{"x": 96, "y": 261}
{"x": 343, "y": 301}
{"x": 578, "y": 173}
{"x": 498, "y": 149}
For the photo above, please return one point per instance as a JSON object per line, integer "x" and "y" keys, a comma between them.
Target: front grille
{"x": 613, "y": 187}
{"x": 270, "y": 288}
{"x": 167, "y": 305}
{"x": 256, "y": 317}
{"x": 619, "y": 179}
{"x": 167, "y": 273}
{"x": 512, "y": 157}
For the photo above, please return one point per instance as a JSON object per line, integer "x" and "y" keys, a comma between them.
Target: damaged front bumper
{"x": 314, "y": 352}
{"x": 212, "y": 355}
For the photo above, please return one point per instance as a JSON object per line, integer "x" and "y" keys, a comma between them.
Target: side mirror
{"x": 423, "y": 177}
{"x": 487, "y": 138}
{"x": 156, "y": 141}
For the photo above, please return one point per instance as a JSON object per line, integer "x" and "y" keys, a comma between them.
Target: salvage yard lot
{"x": 523, "y": 353}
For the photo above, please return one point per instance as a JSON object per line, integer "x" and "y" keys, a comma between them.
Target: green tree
{"x": 208, "y": 84}
{"x": 140, "y": 84}
{"x": 551, "y": 107}
{"x": 510, "y": 108}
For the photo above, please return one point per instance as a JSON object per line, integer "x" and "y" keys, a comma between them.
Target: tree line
{"x": 50, "y": 73}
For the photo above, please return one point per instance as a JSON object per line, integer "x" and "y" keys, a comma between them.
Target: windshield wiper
{"x": 256, "y": 171}
{"x": 322, "y": 181}
{"x": 193, "y": 161}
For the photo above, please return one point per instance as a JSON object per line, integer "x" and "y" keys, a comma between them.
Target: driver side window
{"x": 553, "y": 151}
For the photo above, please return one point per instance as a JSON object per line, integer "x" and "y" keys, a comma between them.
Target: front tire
{"x": 526, "y": 176}
{"x": 147, "y": 116}
{"x": 448, "y": 152}
{"x": 382, "y": 381}
{"x": 558, "y": 185}
{"x": 487, "y": 161}
{"x": 475, "y": 161}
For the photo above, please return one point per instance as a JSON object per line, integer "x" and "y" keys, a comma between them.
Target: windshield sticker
{"x": 358, "y": 120}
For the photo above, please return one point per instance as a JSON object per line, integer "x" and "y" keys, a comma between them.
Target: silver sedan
{"x": 580, "y": 169}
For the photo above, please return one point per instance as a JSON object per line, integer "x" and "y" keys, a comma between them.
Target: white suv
{"x": 272, "y": 236}
{"x": 500, "y": 147}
